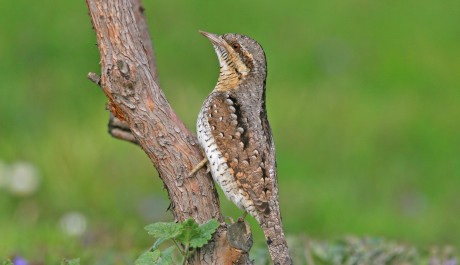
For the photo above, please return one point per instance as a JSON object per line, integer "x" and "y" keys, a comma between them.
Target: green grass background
{"x": 363, "y": 98}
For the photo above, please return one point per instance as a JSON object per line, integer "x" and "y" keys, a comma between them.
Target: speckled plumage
{"x": 237, "y": 148}
{"x": 234, "y": 132}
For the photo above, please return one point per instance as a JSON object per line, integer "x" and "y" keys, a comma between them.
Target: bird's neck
{"x": 228, "y": 79}
{"x": 251, "y": 84}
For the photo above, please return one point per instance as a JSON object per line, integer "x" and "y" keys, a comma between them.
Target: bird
{"x": 234, "y": 132}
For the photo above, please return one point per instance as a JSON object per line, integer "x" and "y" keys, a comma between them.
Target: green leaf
{"x": 7, "y": 262}
{"x": 70, "y": 262}
{"x": 163, "y": 231}
{"x": 158, "y": 243}
{"x": 167, "y": 256}
{"x": 190, "y": 229}
{"x": 206, "y": 231}
{"x": 196, "y": 235}
{"x": 188, "y": 233}
{"x": 148, "y": 258}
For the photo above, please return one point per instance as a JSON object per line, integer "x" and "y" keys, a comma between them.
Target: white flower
{"x": 22, "y": 178}
{"x": 73, "y": 223}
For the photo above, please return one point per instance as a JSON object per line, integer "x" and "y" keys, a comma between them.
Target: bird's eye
{"x": 236, "y": 46}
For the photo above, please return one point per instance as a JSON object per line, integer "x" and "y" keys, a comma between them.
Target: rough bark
{"x": 129, "y": 80}
{"x": 147, "y": 43}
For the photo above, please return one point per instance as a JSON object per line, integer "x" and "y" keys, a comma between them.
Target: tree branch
{"x": 141, "y": 21}
{"x": 129, "y": 80}
{"x": 117, "y": 128}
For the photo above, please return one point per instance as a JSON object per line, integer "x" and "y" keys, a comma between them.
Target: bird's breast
{"x": 217, "y": 159}
{"x": 235, "y": 145}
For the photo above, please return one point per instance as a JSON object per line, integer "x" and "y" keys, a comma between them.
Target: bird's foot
{"x": 230, "y": 219}
{"x": 198, "y": 167}
{"x": 241, "y": 219}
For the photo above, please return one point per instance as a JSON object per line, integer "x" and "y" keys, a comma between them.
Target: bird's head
{"x": 240, "y": 57}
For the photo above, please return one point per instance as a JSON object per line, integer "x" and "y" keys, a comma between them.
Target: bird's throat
{"x": 232, "y": 69}
{"x": 228, "y": 79}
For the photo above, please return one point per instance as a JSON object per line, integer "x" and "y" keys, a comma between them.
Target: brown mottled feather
{"x": 237, "y": 138}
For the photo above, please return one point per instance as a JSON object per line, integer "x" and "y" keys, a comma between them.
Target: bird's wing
{"x": 240, "y": 138}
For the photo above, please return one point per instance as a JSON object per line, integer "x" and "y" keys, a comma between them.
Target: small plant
{"x": 186, "y": 236}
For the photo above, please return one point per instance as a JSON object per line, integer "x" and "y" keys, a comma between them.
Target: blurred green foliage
{"x": 353, "y": 250}
{"x": 363, "y": 98}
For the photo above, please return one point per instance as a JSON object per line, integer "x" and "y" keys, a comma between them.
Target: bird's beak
{"x": 215, "y": 39}
{"x": 220, "y": 46}
{"x": 225, "y": 53}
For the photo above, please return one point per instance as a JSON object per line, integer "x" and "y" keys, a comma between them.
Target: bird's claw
{"x": 230, "y": 219}
{"x": 199, "y": 166}
{"x": 241, "y": 218}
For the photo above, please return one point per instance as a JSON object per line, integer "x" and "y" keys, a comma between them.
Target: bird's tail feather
{"x": 275, "y": 238}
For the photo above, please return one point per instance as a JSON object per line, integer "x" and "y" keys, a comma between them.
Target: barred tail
{"x": 274, "y": 235}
